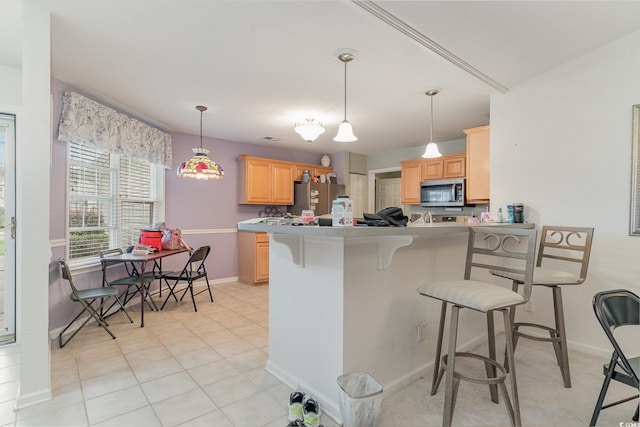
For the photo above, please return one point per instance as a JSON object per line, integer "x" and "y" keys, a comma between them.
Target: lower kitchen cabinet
{"x": 253, "y": 257}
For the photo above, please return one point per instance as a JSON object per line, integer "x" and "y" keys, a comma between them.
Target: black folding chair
{"x": 131, "y": 281}
{"x": 193, "y": 270}
{"x": 86, "y": 298}
{"x": 615, "y": 309}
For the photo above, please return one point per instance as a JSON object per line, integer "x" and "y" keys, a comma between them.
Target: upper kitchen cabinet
{"x": 265, "y": 181}
{"x": 454, "y": 167}
{"x": 314, "y": 170}
{"x": 450, "y": 166}
{"x": 478, "y": 190}
{"x": 411, "y": 176}
{"x": 432, "y": 169}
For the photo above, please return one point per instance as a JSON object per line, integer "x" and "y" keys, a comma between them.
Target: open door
{"x": 7, "y": 229}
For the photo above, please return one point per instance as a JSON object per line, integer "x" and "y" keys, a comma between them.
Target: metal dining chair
{"x": 86, "y": 298}
{"x": 130, "y": 281}
{"x": 193, "y": 270}
{"x": 570, "y": 248}
{"x": 614, "y": 309}
{"x": 489, "y": 248}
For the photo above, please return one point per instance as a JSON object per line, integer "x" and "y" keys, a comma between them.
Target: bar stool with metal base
{"x": 565, "y": 244}
{"x": 490, "y": 248}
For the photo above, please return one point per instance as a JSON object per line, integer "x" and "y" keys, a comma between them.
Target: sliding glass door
{"x": 7, "y": 229}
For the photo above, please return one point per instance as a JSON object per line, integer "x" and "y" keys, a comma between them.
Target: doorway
{"x": 7, "y": 229}
{"x": 391, "y": 192}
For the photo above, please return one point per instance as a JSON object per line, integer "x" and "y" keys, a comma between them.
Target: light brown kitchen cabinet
{"x": 432, "y": 169}
{"x": 454, "y": 167}
{"x": 314, "y": 170}
{"x": 478, "y": 165}
{"x": 411, "y": 176}
{"x": 264, "y": 181}
{"x": 253, "y": 257}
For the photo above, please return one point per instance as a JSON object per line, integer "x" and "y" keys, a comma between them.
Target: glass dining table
{"x": 140, "y": 261}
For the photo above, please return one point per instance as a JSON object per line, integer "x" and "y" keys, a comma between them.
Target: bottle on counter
{"x": 510, "y": 214}
{"x": 518, "y": 213}
{"x": 500, "y": 216}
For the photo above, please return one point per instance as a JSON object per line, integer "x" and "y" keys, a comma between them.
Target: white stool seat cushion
{"x": 542, "y": 276}
{"x": 479, "y": 296}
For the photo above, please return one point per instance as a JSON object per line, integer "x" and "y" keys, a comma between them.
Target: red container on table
{"x": 151, "y": 238}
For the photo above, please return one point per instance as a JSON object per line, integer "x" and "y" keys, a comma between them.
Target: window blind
{"x": 111, "y": 197}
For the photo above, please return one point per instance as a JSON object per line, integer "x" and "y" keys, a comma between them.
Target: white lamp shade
{"x": 432, "y": 151}
{"x": 309, "y": 131}
{"x": 345, "y": 133}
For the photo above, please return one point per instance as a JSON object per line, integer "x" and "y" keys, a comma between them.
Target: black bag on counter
{"x": 387, "y": 216}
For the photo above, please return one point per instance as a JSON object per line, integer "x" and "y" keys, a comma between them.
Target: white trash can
{"x": 360, "y": 399}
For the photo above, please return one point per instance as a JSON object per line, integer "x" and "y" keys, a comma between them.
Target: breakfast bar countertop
{"x": 365, "y": 231}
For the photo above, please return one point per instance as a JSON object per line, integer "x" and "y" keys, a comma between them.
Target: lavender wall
{"x": 207, "y": 211}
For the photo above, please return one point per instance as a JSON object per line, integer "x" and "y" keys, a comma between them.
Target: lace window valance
{"x": 86, "y": 122}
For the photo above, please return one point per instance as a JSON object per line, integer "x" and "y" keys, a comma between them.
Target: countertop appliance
{"x": 443, "y": 192}
{"x": 315, "y": 196}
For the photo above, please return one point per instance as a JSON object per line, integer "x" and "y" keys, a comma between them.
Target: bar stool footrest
{"x": 498, "y": 379}
{"x": 554, "y": 338}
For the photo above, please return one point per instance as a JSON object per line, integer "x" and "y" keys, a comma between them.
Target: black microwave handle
{"x": 453, "y": 193}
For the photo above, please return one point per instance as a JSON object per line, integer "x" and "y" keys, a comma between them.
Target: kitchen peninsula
{"x": 343, "y": 299}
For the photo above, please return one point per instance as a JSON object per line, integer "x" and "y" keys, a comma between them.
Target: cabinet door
{"x": 258, "y": 181}
{"x": 299, "y": 169}
{"x": 433, "y": 169}
{"x": 262, "y": 262}
{"x": 454, "y": 167}
{"x": 478, "y": 189}
{"x": 411, "y": 176}
{"x": 281, "y": 183}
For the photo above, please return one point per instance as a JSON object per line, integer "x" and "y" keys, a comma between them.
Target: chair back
{"x": 572, "y": 244}
{"x": 613, "y": 309}
{"x": 509, "y": 250}
{"x": 197, "y": 258}
{"x": 129, "y": 267}
{"x": 66, "y": 274}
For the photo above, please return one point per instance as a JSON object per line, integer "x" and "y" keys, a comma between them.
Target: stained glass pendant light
{"x": 432, "y": 148}
{"x": 200, "y": 166}
{"x": 345, "y": 131}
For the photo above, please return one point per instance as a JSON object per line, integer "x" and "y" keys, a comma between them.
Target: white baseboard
{"x": 328, "y": 405}
{"x": 30, "y": 399}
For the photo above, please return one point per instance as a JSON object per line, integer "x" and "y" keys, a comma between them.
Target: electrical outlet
{"x": 421, "y": 329}
{"x": 530, "y": 305}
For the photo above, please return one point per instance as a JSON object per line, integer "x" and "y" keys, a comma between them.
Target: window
{"x": 111, "y": 197}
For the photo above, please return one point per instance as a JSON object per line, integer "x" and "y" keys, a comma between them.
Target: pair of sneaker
{"x": 303, "y": 408}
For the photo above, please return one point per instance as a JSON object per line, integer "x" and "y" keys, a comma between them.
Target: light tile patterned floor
{"x": 207, "y": 369}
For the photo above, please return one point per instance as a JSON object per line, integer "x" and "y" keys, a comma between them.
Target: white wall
{"x": 32, "y": 175}
{"x": 561, "y": 144}
{"x": 10, "y": 84}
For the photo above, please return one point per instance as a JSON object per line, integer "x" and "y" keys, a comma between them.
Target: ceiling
{"x": 262, "y": 66}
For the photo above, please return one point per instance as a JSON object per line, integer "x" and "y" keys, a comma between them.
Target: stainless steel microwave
{"x": 445, "y": 192}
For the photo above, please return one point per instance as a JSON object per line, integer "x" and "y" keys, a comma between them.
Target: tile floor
{"x": 207, "y": 369}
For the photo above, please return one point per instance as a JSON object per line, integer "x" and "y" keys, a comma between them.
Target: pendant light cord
{"x": 431, "y": 134}
{"x": 345, "y": 90}
{"x": 201, "y": 127}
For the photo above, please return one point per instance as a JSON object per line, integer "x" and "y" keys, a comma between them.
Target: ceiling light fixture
{"x": 309, "y": 131}
{"x": 432, "y": 148}
{"x": 345, "y": 131}
{"x": 200, "y": 166}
